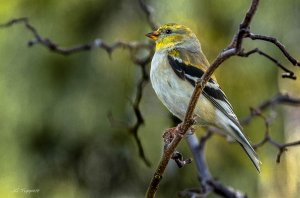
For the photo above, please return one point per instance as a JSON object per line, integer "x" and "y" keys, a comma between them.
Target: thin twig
{"x": 267, "y": 120}
{"x": 283, "y": 147}
{"x": 278, "y": 99}
{"x": 54, "y": 47}
{"x": 148, "y": 11}
{"x": 109, "y": 48}
{"x": 288, "y": 74}
{"x": 142, "y": 63}
{"x": 277, "y": 43}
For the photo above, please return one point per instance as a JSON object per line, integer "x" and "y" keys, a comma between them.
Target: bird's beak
{"x": 153, "y": 35}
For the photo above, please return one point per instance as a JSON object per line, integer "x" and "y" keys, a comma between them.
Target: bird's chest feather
{"x": 171, "y": 90}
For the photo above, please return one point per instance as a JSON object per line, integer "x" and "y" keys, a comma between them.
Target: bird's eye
{"x": 168, "y": 31}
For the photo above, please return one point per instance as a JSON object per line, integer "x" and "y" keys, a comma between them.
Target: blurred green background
{"x": 54, "y": 132}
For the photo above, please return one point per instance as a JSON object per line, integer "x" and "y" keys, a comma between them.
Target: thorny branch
{"x": 208, "y": 184}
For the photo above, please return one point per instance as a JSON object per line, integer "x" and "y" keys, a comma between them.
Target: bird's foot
{"x": 170, "y": 134}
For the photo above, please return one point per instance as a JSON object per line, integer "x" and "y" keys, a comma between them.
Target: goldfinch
{"x": 177, "y": 64}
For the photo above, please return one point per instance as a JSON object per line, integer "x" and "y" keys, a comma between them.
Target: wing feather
{"x": 212, "y": 91}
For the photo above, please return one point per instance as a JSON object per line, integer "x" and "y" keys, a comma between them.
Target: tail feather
{"x": 252, "y": 155}
{"x": 238, "y": 135}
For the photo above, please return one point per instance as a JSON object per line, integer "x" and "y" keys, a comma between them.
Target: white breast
{"x": 175, "y": 96}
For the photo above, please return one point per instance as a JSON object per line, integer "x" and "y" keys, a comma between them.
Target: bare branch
{"x": 99, "y": 43}
{"x": 277, "y": 43}
{"x": 244, "y": 26}
{"x": 278, "y": 99}
{"x": 267, "y": 120}
{"x": 148, "y": 11}
{"x": 198, "y": 151}
{"x": 142, "y": 63}
{"x": 225, "y": 191}
{"x": 144, "y": 79}
{"x": 54, "y": 47}
{"x": 208, "y": 183}
{"x": 283, "y": 147}
{"x": 288, "y": 74}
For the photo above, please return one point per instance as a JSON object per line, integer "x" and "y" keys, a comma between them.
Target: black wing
{"x": 212, "y": 91}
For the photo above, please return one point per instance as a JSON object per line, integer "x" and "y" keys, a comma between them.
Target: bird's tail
{"x": 239, "y": 136}
{"x": 252, "y": 155}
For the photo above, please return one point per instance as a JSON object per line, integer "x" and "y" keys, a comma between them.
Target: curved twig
{"x": 54, "y": 47}
{"x": 275, "y": 42}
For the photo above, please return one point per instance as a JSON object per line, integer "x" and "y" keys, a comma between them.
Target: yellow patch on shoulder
{"x": 174, "y": 53}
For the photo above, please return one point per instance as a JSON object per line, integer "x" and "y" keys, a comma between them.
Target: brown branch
{"x": 288, "y": 74}
{"x": 244, "y": 26}
{"x": 54, "y": 47}
{"x": 277, "y": 43}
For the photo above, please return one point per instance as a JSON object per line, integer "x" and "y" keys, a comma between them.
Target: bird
{"x": 177, "y": 64}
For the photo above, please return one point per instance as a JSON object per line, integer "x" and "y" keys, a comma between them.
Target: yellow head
{"x": 170, "y": 35}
